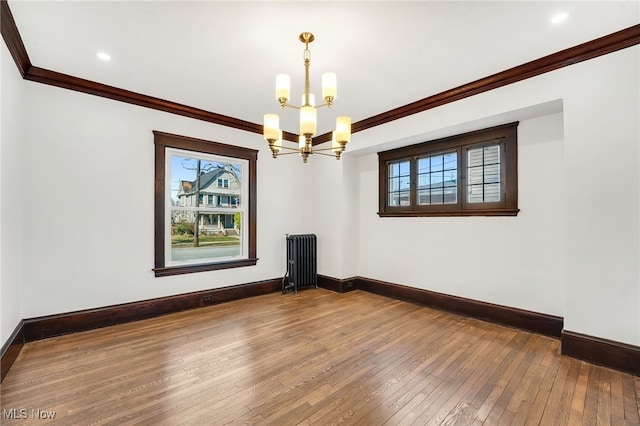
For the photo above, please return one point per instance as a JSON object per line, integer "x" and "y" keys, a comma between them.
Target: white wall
{"x": 11, "y": 190}
{"x": 515, "y": 261}
{"x": 570, "y": 252}
{"x": 573, "y": 250}
{"x": 602, "y": 152}
{"x": 88, "y": 231}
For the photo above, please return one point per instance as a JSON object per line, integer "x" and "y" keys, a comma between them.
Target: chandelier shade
{"x": 308, "y": 112}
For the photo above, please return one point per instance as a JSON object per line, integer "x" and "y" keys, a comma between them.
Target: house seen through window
{"x": 202, "y": 229}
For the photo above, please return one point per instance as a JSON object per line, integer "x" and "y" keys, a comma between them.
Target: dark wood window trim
{"x": 507, "y": 134}
{"x": 167, "y": 140}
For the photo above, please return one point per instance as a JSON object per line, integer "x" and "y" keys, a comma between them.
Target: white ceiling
{"x": 223, "y": 56}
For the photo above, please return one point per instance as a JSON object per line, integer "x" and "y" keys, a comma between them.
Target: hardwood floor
{"x": 317, "y": 357}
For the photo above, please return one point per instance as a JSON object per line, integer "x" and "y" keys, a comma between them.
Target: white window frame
{"x": 244, "y": 195}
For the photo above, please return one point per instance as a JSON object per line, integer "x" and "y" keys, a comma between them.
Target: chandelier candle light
{"x": 308, "y": 115}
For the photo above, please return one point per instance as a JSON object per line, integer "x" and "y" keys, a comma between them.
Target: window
{"x": 192, "y": 232}
{"x": 470, "y": 174}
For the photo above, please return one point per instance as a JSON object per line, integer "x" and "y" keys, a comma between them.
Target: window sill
{"x": 422, "y": 213}
{"x": 178, "y": 270}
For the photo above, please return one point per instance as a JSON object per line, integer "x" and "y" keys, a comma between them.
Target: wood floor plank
{"x": 629, "y": 412}
{"x": 579, "y": 395}
{"x": 498, "y": 387}
{"x": 603, "y": 411}
{"x": 315, "y": 357}
{"x": 555, "y": 394}
{"x": 521, "y": 389}
{"x": 395, "y": 398}
{"x": 617, "y": 399}
{"x": 589, "y": 412}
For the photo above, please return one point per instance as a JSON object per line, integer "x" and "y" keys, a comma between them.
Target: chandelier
{"x": 308, "y": 115}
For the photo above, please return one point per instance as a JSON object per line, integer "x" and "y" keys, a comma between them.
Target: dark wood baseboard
{"x": 616, "y": 355}
{"x": 609, "y": 353}
{"x": 336, "y": 284}
{"x": 11, "y": 349}
{"x": 548, "y": 325}
{"x": 72, "y": 322}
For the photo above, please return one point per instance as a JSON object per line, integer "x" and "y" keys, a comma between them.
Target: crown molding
{"x": 29, "y": 72}
{"x": 13, "y": 40}
{"x": 53, "y": 78}
{"x": 592, "y": 49}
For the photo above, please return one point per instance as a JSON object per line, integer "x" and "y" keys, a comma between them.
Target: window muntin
{"x": 470, "y": 174}
{"x": 187, "y": 199}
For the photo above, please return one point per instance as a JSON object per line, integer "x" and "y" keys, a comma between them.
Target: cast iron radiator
{"x": 301, "y": 263}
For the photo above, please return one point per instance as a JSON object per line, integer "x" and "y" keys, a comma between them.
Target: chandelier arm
{"x": 288, "y": 147}
{"x": 289, "y": 153}
{"x": 315, "y": 151}
{"x": 287, "y": 105}
{"x": 323, "y": 149}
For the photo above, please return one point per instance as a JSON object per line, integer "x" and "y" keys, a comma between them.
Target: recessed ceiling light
{"x": 560, "y": 17}
{"x": 103, "y": 56}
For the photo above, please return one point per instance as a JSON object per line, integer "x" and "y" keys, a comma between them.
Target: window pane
{"x": 423, "y": 165}
{"x": 492, "y": 173}
{"x": 399, "y": 183}
{"x": 436, "y": 179}
{"x": 404, "y": 168}
{"x": 451, "y": 161}
{"x": 404, "y": 183}
{"x": 424, "y": 197}
{"x": 404, "y": 198}
{"x": 211, "y": 233}
{"x": 492, "y": 154}
{"x": 423, "y": 181}
{"x": 216, "y": 236}
{"x": 394, "y": 199}
{"x": 475, "y": 157}
{"x": 394, "y": 184}
{"x": 193, "y": 178}
{"x": 436, "y": 163}
{"x": 436, "y": 195}
{"x": 492, "y": 192}
{"x": 451, "y": 178}
{"x": 474, "y": 175}
{"x": 474, "y": 194}
{"x": 450, "y": 195}
{"x": 394, "y": 169}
